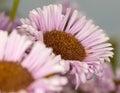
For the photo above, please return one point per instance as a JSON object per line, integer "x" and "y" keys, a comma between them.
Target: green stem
{"x": 14, "y": 10}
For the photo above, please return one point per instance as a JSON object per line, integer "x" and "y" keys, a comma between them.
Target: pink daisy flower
{"x": 81, "y": 43}
{"x": 6, "y": 24}
{"x": 36, "y": 72}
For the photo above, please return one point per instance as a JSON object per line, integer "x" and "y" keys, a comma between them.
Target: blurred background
{"x": 105, "y": 13}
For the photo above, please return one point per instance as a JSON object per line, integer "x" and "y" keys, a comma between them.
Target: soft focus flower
{"x": 81, "y": 43}
{"x": 6, "y": 24}
{"x": 108, "y": 83}
{"x": 104, "y": 84}
{"x": 36, "y": 72}
{"x": 66, "y": 4}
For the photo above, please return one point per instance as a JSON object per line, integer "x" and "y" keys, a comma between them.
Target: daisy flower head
{"x": 36, "y": 72}
{"x": 81, "y": 43}
{"x": 6, "y": 24}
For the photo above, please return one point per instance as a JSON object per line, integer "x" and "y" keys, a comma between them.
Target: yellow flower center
{"x": 13, "y": 77}
{"x": 64, "y": 44}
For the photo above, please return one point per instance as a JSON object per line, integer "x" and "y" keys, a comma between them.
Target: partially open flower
{"x": 36, "y": 72}
{"x": 81, "y": 43}
{"x": 6, "y": 24}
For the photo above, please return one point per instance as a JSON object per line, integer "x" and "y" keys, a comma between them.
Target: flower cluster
{"x": 55, "y": 50}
